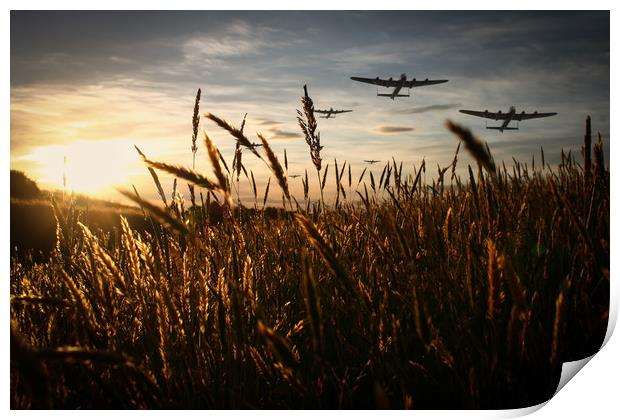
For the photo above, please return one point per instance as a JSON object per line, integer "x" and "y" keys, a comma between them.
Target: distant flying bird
{"x": 397, "y": 84}
{"x": 507, "y": 117}
{"x": 371, "y": 161}
{"x": 331, "y": 111}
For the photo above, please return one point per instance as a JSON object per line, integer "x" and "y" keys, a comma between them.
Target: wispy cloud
{"x": 235, "y": 40}
{"x": 423, "y": 109}
{"x": 390, "y": 129}
{"x": 238, "y": 39}
{"x": 267, "y": 122}
{"x": 278, "y": 134}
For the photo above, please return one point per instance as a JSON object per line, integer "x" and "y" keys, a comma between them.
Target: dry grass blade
{"x": 492, "y": 275}
{"x": 82, "y": 302}
{"x": 326, "y": 252}
{"x": 308, "y": 127}
{"x": 214, "y": 156}
{"x": 362, "y": 176}
{"x": 285, "y": 160}
{"x": 236, "y": 133}
{"x": 243, "y": 122}
{"x": 160, "y": 190}
{"x": 342, "y": 171}
{"x": 586, "y": 151}
{"x": 557, "y": 329}
{"x": 515, "y": 285}
{"x": 174, "y": 193}
{"x": 475, "y": 146}
{"x": 266, "y": 192}
{"x": 104, "y": 259}
{"x": 599, "y": 159}
{"x": 313, "y": 305}
{"x": 195, "y": 122}
{"x": 129, "y": 243}
{"x": 275, "y": 166}
{"x": 237, "y": 165}
{"x": 324, "y": 177}
{"x": 349, "y": 175}
{"x": 278, "y": 345}
{"x": 456, "y": 156}
{"x": 306, "y": 186}
{"x": 162, "y": 216}
{"x": 222, "y": 160}
{"x": 254, "y": 185}
{"x": 185, "y": 173}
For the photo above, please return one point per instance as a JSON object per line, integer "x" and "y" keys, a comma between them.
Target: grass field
{"x": 454, "y": 294}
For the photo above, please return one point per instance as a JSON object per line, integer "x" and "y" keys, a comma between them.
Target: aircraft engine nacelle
{"x": 498, "y": 114}
{"x": 414, "y": 80}
{"x": 391, "y": 79}
{"x": 377, "y": 79}
{"x": 535, "y": 112}
{"x": 426, "y": 80}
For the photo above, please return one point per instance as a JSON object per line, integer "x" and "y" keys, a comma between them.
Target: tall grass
{"x": 467, "y": 294}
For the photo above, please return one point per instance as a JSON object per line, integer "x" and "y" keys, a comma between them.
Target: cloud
{"x": 120, "y": 109}
{"x": 122, "y": 60}
{"x": 391, "y": 129}
{"x": 238, "y": 39}
{"x": 267, "y": 122}
{"x": 423, "y": 109}
{"x": 277, "y": 134}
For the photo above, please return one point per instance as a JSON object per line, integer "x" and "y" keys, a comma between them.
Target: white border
{"x": 593, "y": 393}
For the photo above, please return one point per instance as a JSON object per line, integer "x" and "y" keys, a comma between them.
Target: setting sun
{"x": 94, "y": 167}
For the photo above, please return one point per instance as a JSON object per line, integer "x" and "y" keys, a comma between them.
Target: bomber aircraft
{"x": 294, "y": 176}
{"x": 371, "y": 161}
{"x": 397, "y": 84}
{"x": 328, "y": 112}
{"x": 507, "y": 117}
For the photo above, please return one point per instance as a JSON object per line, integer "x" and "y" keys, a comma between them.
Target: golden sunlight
{"x": 92, "y": 167}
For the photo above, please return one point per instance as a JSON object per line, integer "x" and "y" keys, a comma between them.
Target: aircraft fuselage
{"x": 403, "y": 80}
{"x": 509, "y": 117}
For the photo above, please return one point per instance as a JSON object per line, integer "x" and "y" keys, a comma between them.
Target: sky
{"x": 90, "y": 85}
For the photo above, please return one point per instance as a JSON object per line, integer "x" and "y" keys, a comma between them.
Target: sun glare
{"x": 92, "y": 167}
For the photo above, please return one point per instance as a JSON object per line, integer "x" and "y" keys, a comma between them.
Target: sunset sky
{"x": 90, "y": 85}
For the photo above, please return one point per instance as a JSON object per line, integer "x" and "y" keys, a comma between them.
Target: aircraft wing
{"x": 426, "y": 82}
{"x": 340, "y": 111}
{"x": 320, "y": 111}
{"x": 533, "y": 115}
{"x": 486, "y": 114}
{"x": 377, "y": 81}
